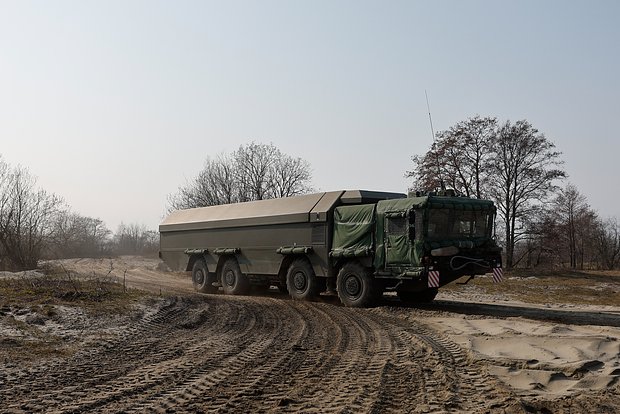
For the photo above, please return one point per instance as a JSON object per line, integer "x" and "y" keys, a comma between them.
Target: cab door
{"x": 397, "y": 239}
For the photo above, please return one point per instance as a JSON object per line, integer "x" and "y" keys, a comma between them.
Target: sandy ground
{"x": 180, "y": 351}
{"x": 537, "y": 357}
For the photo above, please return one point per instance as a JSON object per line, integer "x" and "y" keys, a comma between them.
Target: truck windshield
{"x": 457, "y": 224}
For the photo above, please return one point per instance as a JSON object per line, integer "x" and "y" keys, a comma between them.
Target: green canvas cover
{"x": 399, "y": 245}
{"x": 353, "y": 230}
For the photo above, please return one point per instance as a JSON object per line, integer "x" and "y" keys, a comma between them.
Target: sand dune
{"x": 539, "y": 357}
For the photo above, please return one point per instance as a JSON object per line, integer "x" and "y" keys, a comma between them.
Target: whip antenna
{"x": 430, "y": 120}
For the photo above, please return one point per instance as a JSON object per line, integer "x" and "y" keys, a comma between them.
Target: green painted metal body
{"x": 392, "y": 234}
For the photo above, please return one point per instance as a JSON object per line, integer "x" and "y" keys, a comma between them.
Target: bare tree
{"x": 289, "y": 177}
{"x": 215, "y": 184}
{"x": 253, "y": 172}
{"x": 525, "y": 167}
{"x": 561, "y": 232}
{"x": 135, "y": 239}
{"x": 254, "y": 165}
{"x": 513, "y": 164}
{"x": 4, "y": 207}
{"x": 586, "y": 238}
{"x": 540, "y": 247}
{"x": 26, "y": 217}
{"x": 75, "y": 235}
{"x": 608, "y": 243}
{"x": 35, "y": 224}
{"x": 573, "y": 214}
{"x": 458, "y": 159}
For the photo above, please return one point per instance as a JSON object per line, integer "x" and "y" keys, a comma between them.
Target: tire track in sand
{"x": 212, "y": 353}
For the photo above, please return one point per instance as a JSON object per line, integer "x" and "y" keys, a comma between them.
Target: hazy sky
{"x": 114, "y": 104}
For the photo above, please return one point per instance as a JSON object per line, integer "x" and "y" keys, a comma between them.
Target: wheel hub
{"x": 352, "y": 286}
{"x": 199, "y": 277}
{"x": 299, "y": 281}
{"x": 229, "y": 278}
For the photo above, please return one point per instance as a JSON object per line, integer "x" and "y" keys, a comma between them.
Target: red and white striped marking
{"x": 433, "y": 278}
{"x": 498, "y": 274}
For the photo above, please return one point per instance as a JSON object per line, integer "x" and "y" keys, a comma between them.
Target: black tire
{"x": 233, "y": 281}
{"x": 301, "y": 282}
{"x": 355, "y": 285}
{"x": 425, "y": 296}
{"x": 202, "y": 279}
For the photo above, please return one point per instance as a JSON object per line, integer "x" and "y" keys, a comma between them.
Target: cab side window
{"x": 402, "y": 224}
{"x": 397, "y": 225}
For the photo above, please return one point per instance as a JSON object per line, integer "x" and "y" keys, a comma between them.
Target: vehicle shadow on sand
{"x": 574, "y": 317}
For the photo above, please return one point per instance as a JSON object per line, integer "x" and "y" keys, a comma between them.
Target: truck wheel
{"x": 202, "y": 279}
{"x": 355, "y": 285}
{"x": 301, "y": 282}
{"x": 233, "y": 281}
{"x": 425, "y": 296}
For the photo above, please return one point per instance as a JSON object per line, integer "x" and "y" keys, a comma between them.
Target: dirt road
{"x": 258, "y": 354}
{"x": 214, "y": 353}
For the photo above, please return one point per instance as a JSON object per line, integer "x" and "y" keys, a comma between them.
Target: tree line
{"x": 255, "y": 171}
{"x": 36, "y": 224}
{"x": 541, "y": 221}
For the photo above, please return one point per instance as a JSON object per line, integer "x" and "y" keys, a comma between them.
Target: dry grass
{"x": 29, "y": 302}
{"x": 95, "y": 293}
{"x": 19, "y": 350}
{"x": 551, "y": 287}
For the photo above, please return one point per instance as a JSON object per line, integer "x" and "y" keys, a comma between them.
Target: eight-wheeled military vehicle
{"x": 357, "y": 243}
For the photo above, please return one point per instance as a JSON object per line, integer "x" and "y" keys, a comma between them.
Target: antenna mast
{"x": 430, "y": 119}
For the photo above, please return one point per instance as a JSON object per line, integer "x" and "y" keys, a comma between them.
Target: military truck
{"x": 355, "y": 243}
